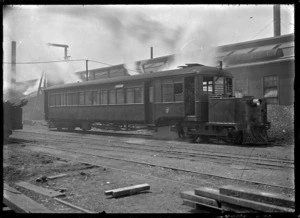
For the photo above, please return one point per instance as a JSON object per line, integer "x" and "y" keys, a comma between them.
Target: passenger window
{"x": 63, "y": 99}
{"x": 69, "y": 99}
{"x": 57, "y": 100}
{"x": 112, "y": 96}
{"x": 120, "y": 96}
{"x": 228, "y": 86}
{"x": 167, "y": 92}
{"x": 96, "y": 97}
{"x": 88, "y": 98}
{"x": 104, "y": 96}
{"x": 178, "y": 92}
{"x": 75, "y": 98}
{"x": 219, "y": 85}
{"x": 208, "y": 84}
{"x": 138, "y": 95}
{"x": 52, "y": 100}
{"x": 81, "y": 98}
{"x": 129, "y": 96}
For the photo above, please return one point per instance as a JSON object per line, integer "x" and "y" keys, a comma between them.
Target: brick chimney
{"x": 276, "y": 17}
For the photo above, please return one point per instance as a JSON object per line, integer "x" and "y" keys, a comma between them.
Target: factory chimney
{"x": 276, "y": 17}
{"x": 13, "y": 63}
{"x": 151, "y": 52}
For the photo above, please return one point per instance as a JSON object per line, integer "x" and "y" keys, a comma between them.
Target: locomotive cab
{"x": 220, "y": 115}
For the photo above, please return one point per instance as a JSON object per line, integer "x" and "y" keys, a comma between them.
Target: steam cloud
{"x": 105, "y": 33}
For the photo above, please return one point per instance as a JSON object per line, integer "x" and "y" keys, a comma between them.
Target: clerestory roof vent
{"x": 190, "y": 65}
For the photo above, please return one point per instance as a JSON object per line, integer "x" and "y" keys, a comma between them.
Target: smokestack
{"x": 276, "y": 17}
{"x": 151, "y": 53}
{"x": 13, "y": 63}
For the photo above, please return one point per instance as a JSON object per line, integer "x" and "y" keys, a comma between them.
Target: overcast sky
{"x": 117, "y": 34}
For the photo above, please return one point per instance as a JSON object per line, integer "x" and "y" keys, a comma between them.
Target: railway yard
{"x": 85, "y": 166}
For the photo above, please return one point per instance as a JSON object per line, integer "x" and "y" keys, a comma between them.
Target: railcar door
{"x": 189, "y": 96}
{"x": 148, "y": 103}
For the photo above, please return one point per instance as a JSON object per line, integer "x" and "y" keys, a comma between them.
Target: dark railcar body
{"x": 12, "y": 117}
{"x": 181, "y": 97}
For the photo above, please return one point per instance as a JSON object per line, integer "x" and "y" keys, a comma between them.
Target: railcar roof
{"x": 203, "y": 70}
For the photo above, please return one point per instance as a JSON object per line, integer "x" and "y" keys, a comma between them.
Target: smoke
{"x": 32, "y": 89}
{"x": 113, "y": 34}
{"x": 196, "y": 45}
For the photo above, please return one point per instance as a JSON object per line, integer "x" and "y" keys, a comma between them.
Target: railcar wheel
{"x": 71, "y": 128}
{"x": 59, "y": 128}
{"x": 180, "y": 130}
{"x": 86, "y": 126}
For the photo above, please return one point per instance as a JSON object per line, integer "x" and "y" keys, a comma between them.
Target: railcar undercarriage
{"x": 228, "y": 132}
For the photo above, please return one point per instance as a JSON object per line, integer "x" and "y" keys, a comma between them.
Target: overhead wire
{"x": 263, "y": 28}
{"x": 43, "y": 62}
{"x": 60, "y": 61}
{"x": 110, "y": 65}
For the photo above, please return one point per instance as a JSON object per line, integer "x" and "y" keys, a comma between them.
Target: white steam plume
{"x": 197, "y": 45}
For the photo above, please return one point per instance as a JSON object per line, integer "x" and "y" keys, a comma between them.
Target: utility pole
{"x": 87, "y": 70}
{"x": 64, "y": 46}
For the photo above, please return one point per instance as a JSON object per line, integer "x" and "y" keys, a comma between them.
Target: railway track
{"x": 189, "y": 155}
{"x": 196, "y": 173}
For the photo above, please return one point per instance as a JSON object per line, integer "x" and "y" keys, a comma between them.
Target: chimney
{"x": 276, "y": 17}
{"x": 13, "y": 63}
{"x": 151, "y": 53}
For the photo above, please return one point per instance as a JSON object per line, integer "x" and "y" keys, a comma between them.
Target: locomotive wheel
{"x": 194, "y": 139}
{"x": 238, "y": 138}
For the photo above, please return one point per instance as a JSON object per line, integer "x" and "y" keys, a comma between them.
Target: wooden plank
{"x": 6, "y": 209}
{"x": 40, "y": 190}
{"x": 258, "y": 206}
{"x": 109, "y": 192}
{"x": 256, "y": 195}
{"x": 56, "y": 176}
{"x": 73, "y": 206}
{"x": 128, "y": 190}
{"x": 20, "y": 203}
{"x": 201, "y": 207}
{"x": 236, "y": 208}
{"x": 190, "y": 195}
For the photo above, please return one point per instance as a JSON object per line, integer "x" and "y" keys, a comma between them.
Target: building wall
{"x": 34, "y": 109}
{"x": 249, "y": 79}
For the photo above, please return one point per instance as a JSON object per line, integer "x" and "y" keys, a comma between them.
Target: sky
{"x": 117, "y": 34}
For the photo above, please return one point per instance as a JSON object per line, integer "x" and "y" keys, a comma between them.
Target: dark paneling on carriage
{"x": 185, "y": 98}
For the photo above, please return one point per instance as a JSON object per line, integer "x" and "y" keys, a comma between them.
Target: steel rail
{"x": 212, "y": 158}
{"x": 217, "y": 158}
{"x": 211, "y": 154}
{"x": 169, "y": 167}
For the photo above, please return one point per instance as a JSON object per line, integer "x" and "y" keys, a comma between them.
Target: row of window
{"x": 172, "y": 91}
{"x": 98, "y": 97}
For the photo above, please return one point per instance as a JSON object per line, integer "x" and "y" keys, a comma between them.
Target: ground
{"x": 85, "y": 184}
